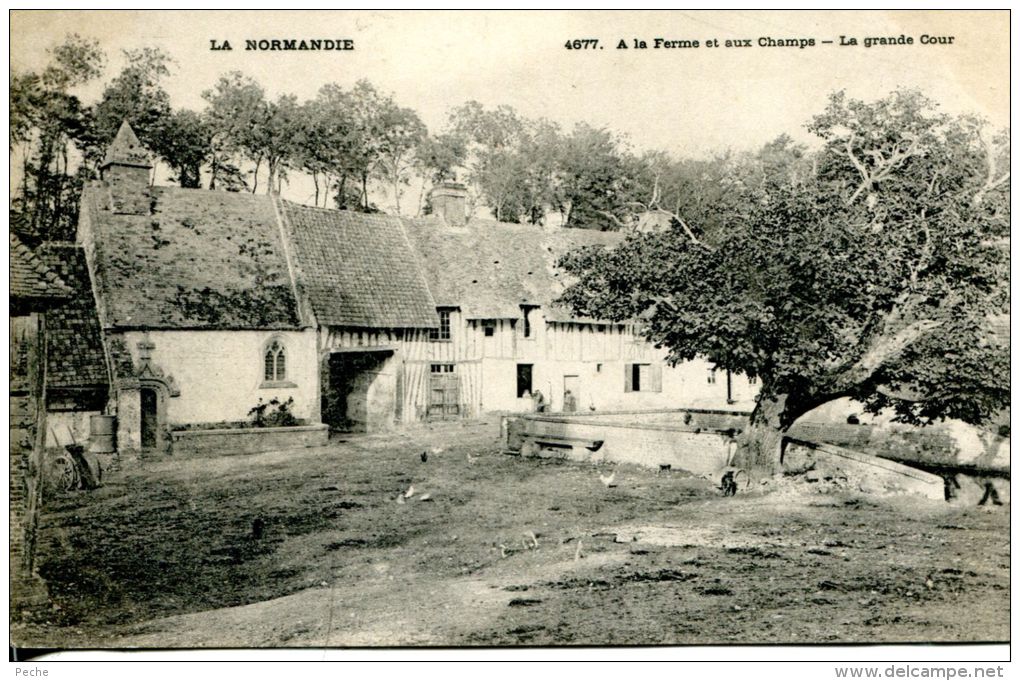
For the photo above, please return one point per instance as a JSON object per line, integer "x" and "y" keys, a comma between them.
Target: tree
{"x": 398, "y": 132}
{"x": 595, "y": 180}
{"x": 276, "y": 138}
{"x": 236, "y": 104}
{"x": 437, "y": 159}
{"x": 873, "y": 276}
{"x": 50, "y": 129}
{"x": 135, "y": 95}
{"x": 184, "y": 143}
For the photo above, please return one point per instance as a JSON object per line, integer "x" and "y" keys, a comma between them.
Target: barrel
{"x": 102, "y": 434}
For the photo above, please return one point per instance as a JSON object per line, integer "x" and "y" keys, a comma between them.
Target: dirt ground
{"x": 311, "y": 548}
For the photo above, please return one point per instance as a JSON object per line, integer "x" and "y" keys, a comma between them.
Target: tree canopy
{"x": 872, "y": 270}
{"x": 358, "y": 145}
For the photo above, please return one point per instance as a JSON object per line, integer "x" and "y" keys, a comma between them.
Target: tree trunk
{"x": 341, "y": 187}
{"x": 761, "y": 442}
{"x": 255, "y": 175}
{"x": 272, "y": 168}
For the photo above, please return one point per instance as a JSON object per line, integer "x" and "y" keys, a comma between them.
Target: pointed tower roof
{"x": 126, "y": 150}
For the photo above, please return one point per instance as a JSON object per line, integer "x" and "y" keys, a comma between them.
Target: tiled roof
{"x": 74, "y": 346}
{"x": 358, "y": 269}
{"x": 126, "y": 149}
{"x": 201, "y": 260}
{"x": 30, "y": 277}
{"x": 489, "y": 269}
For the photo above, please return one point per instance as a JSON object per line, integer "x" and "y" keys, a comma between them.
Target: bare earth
{"x": 507, "y": 551}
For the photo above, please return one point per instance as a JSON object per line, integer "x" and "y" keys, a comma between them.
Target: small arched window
{"x": 275, "y": 362}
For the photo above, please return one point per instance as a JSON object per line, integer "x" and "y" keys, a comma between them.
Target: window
{"x": 644, "y": 378}
{"x": 275, "y": 362}
{"x": 753, "y": 380}
{"x": 442, "y": 368}
{"x": 443, "y": 332}
{"x": 527, "y": 329}
{"x": 524, "y": 380}
{"x": 711, "y": 376}
{"x": 490, "y": 328}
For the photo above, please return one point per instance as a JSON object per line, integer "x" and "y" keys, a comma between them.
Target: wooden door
{"x": 444, "y": 392}
{"x": 150, "y": 418}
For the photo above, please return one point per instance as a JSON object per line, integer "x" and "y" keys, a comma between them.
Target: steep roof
{"x": 200, "y": 260}
{"x": 489, "y": 269}
{"x": 358, "y": 269}
{"x": 30, "y": 277}
{"x": 126, "y": 149}
{"x": 74, "y": 346}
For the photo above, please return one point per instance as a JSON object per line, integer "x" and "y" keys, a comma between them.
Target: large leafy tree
{"x": 872, "y": 273}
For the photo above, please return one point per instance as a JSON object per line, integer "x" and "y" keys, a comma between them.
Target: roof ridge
{"x": 343, "y": 211}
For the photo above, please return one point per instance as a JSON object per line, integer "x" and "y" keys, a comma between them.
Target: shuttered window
{"x": 645, "y": 378}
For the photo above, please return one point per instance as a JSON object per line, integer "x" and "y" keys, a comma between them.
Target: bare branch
{"x": 883, "y": 166}
{"x": 991, "y": 182}
{"x": 886, "y": 348}
{"x": 618, "y": 221}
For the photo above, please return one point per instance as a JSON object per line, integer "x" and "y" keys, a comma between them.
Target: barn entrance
{"x": 360, "y": 391}
{"x": 444, "y": 392}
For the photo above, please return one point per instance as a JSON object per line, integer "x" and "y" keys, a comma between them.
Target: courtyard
{"x": 364, "y": 543}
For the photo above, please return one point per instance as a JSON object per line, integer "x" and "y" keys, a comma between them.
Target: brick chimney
{"x": 449, "y": 201}
{"x": 126, "y": 171}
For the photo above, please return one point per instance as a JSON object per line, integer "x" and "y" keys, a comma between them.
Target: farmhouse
{"x": 210, "y": 303}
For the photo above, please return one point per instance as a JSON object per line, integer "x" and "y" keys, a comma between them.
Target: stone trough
{"x": 702, "y": 442}
{"x": 699, "y": 442}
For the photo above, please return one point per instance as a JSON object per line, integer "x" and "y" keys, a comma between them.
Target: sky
{"x": 690, "y": 102}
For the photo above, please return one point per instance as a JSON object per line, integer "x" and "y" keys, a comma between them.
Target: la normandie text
{"x": 288, "y": 44}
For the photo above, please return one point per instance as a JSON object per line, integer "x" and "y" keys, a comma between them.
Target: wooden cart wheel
{"x": 63, "y": 473}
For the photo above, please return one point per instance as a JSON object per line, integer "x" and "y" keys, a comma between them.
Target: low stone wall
{"x": 248, "y": 440}
{"x": 822, "y": 462}
{"x": 701, "y": 451}
{"x": 683, "y": 419}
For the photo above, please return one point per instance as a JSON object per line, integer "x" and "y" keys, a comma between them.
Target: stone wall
{"x": 685, "y": 449}
{"x": 247, "y": 440}
{"x": 856, "y": 470}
